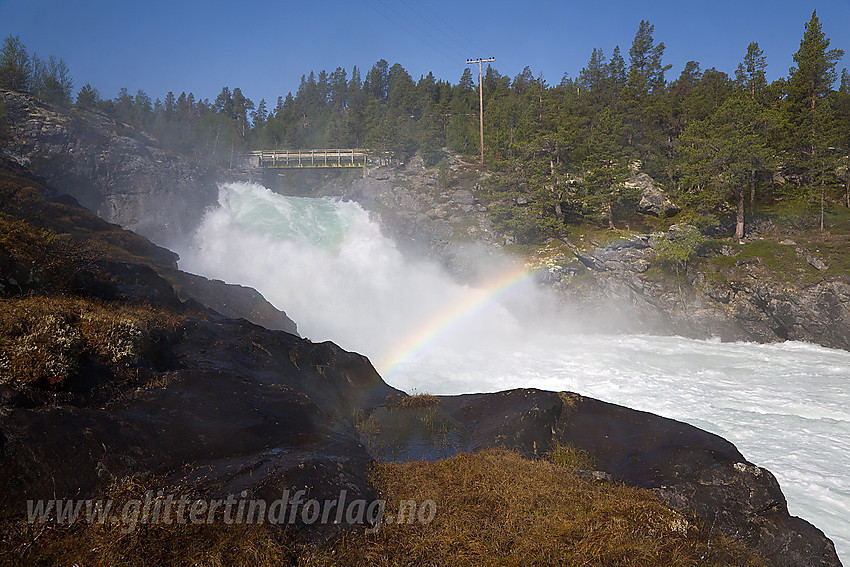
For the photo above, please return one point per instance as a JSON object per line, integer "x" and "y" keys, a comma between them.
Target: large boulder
{"x": 654, "y": 201}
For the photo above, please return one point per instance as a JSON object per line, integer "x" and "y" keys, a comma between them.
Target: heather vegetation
{"x": 45, "y": 341}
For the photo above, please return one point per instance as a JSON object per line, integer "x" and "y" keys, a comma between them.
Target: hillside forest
{"x": 722, "y": 146}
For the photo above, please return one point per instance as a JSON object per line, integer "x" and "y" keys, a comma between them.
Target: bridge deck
{"x": 280, "y": 159}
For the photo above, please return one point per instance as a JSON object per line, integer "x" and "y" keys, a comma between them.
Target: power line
{"x": 433, "y": 44}
{"x": 452, "y": 37}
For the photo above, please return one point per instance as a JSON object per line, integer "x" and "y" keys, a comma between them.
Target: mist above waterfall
{"x": 327, "y": 264}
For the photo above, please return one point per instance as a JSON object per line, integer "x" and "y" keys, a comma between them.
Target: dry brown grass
{"x": 569, "y": 457}
{"x": 156, "y": 545}
{"x": 497, "y": 508}
{"x": 493, "y": 508}
{"x": 44, "y": 339}
{"x": 176, "y": 545}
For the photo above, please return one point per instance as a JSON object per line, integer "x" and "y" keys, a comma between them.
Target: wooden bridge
{"x": 294, "y": 159}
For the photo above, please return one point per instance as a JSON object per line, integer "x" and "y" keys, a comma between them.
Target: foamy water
{"x": 785, "y": 406}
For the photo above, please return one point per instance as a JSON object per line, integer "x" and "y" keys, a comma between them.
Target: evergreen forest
{"x": 719, "y": 144}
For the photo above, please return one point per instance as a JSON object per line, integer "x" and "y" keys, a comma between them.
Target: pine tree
{"x": 241, "y": 107}
{"x": 750, "y": 74}
{"x": 142, "y": 109}
{"x": 124, "y": 105}
{"x": 809, "y": 83}
{"x": 191, "y": 108}
{"x": 523, "y": 82}
{"x": 170, "y": 104}
{"x": 617, "y": 74}
{"x": 594, "y": 77}
{"x": 50, "y": 80}
{"x": 338, "y": 90}
{"x": 376, "y": 82}
{"x": 224, "y": 103}
{"x": 725, "y": 154}
{"x": 646, "y": 73}
{"x": 605, "y": 168}
{"x": 88, "y": 97}
{"x": 15, "y": 67}
{"x": 323, "y": 89}
{"x": 401, "y": 91}
{"x": 466, "y": 83}
{"x": 259, "y": 115}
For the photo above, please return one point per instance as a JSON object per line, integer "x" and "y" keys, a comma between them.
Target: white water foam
{"x": 785, "y": 406}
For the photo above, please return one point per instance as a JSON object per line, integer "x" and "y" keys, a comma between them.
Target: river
{"x": 786, "y": 406}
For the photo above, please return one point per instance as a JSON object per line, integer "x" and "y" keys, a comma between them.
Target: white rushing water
{"x": 785, "y": 406}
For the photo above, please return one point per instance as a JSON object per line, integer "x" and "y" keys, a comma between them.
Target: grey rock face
{"x": 463, "y": 197}
{"x": 743, "y": 307}
{"x": 113, "y": 170}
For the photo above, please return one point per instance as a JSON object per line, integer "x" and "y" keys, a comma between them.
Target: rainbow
{"x": 451, "y": 316}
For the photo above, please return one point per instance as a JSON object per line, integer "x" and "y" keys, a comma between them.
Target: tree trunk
{"x": 610, "y": 217}
{"x": 821, "y": 203}
{"x": 559, "y": 214}
{"x": 847, "y": 188}
{"x": 847, "y": 185}
{"x": 739, "y": 224}
{"x": 752, "y": 190}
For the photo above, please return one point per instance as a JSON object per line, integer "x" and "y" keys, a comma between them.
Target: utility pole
{"x": 480, "y": 99}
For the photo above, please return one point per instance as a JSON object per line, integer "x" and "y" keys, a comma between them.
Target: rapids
{"x": 326, "y": 263}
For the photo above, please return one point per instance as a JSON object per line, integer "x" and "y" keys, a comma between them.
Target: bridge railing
{"x": 350, "y": 157}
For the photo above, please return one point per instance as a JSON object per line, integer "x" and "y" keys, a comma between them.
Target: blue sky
{"x": 264, "y": 47}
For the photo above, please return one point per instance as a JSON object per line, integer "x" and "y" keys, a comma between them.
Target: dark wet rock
{"x": 215, "y": 407}
{"x": 239, "y": 396}
{"x": 231, "y": 300}
{"x": 127, "y": 266}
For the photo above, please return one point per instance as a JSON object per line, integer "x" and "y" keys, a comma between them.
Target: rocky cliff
{"x": 112, "y": 169}
{"x": 765, "y": 290}
{"x": 114, "y": 366}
